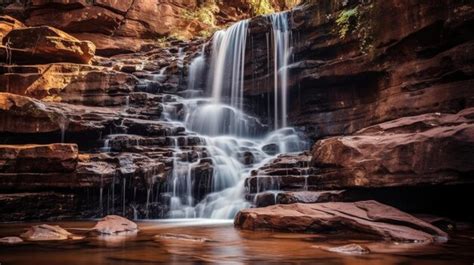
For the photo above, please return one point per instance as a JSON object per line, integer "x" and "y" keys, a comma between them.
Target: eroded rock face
{"x": 426, "y": 149}
{"x": 114, "y": 225}
{"x": 45, "y": 45}
{"x": 69, "y": 83}
{"x": 38, "y": 158}
{"x": 339, "y": 85}
{"x": 8, "y": 24}
{"x": 364, "y": 216}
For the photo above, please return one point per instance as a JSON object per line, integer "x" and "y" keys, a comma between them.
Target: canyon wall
{"x": 382, "y": 89}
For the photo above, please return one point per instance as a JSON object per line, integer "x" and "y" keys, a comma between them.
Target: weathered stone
{"x": 19, "y": 114}
{"x": 46, "y": 232}
{"x": 38, "y": 158}
{"x": 70, "y": 83}
{"x": 426, "y": 149}
{"x": 45, "y": 45}
{"x": 114, "y": 225}
{"x": 364, "y": 216}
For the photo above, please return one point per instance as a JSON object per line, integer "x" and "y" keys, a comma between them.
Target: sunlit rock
{"x": 45, "y": 45}
{"x": 8, "y": 24}
{"x": 115, "y": 225}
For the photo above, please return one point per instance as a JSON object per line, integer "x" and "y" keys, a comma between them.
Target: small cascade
{"x": 210, "y": 184}
{"x": 197, "y": 69}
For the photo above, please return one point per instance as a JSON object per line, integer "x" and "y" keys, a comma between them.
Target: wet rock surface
{"x": 364, "y": 216}
{"x": 46, "y": 232}
{"x": 115, "y": 225}
{"x": 351, "y": 249}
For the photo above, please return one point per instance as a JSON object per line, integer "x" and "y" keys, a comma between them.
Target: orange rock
{"x": 71, "y": 83}
{"x": 8, "y": 24}
{"x": 47, "y": 44}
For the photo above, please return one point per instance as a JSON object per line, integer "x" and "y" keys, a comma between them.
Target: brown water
{"x": 229, "y": 246}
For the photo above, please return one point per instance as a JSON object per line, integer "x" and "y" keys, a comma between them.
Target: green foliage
{"x": 261, "y": 7}
{"x": 204, "y": 13}
{"x": 346, "y": 21}
{"x": 357, "y": 21}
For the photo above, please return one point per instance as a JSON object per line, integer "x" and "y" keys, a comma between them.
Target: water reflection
{"x": 226, "y": 245}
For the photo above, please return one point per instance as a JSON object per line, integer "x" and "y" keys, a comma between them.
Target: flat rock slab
{"x": 114, "y": 225}
{"x": 364, "y": 216}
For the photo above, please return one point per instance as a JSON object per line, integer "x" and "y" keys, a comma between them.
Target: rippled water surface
{"x": 227, "y": 246}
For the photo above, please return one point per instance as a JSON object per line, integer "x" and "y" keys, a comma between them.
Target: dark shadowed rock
{"x": 364, "y": 216}
{"x": 38, "y": 158}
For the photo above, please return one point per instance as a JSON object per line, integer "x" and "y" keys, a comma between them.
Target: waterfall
{"x": 231, "y": 142}
{"x": 281, "y": 56}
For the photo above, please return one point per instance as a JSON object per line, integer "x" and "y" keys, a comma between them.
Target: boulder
{"x": 38, "y": 158}
{"x": 46, "y": 45}
{"x": 363, "y": 216}
{"x": 46, "y": 232}
{"x": 114, "y": 225}
{"x": 426, "y": 149}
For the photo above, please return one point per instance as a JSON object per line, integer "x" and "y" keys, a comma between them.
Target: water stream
{"x": 232, "y": 142}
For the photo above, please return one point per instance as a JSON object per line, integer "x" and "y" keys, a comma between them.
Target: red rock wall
{"x": 417, "y": 59}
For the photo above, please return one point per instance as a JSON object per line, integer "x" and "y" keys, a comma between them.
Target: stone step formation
{"x": 104, "y": 122}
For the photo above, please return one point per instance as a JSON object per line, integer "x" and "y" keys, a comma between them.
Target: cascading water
{"x": 281, "y": 57}
{"x": 231, "y": 142}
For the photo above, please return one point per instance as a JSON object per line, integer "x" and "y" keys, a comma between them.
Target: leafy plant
{"x": 357, "y": 20}
{"x": 261, "y": 7}
{"x": 346, "y": 21}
